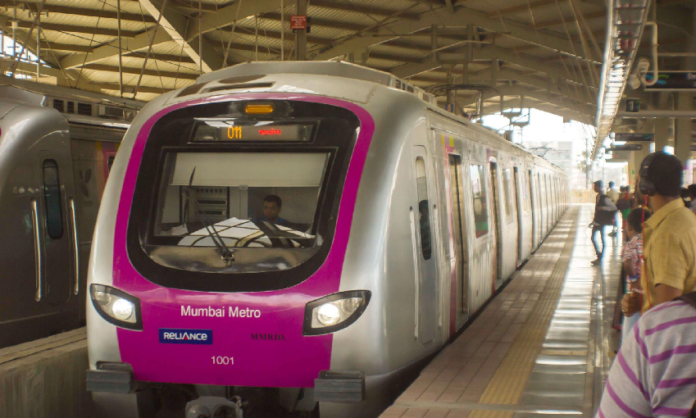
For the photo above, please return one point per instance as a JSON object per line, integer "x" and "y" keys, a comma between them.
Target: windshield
{"x": 241, "y": 200}
{"x": 224, "y": 193}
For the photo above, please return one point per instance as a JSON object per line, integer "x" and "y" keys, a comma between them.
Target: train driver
{"x": 272, "y": 206}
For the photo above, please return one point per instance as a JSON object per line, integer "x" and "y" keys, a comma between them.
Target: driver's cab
{"x": 224, "y": 194}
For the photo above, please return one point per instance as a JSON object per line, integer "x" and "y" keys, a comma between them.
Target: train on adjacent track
{"x": 294, "y": 238}
{"x": 56, "y": 148}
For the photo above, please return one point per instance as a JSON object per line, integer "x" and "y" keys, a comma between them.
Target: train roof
{"x": 248, "y": 73}
{"x": 77, "y": 106}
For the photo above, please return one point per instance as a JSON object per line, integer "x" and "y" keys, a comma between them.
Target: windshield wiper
{"x": 226, "y": 254}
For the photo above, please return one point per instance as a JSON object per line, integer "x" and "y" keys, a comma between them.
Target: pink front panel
{"x": 262, "y": 347}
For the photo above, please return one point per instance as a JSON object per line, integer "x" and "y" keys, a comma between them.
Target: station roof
{"x": 545, "y": 54}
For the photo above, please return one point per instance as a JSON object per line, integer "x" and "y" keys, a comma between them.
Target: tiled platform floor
{"x": 542, "y": 347}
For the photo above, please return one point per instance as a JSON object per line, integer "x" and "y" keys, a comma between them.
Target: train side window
{"x": 54, "y": 211}
{"x": 110, "y": 162}
{"x": 423, "y": 208}
{"x": 507, "y": 177}
{"x": 478, "y": 191}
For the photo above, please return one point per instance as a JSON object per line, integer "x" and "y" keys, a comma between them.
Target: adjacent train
{"x": 56, "y": 147}
{"x": 284, "y": 238}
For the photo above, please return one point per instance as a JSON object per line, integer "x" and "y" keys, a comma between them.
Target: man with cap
{"x": 604, "y": 215}
{"x": 669, "y": 236}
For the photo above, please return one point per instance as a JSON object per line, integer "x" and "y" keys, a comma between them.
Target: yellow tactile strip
{"x": 453, "y": 383}
{"x": 509, "y": 380}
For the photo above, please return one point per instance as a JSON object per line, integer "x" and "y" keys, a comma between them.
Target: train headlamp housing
{"x": 116, "y": 306}
{"x": 335, "y": 312}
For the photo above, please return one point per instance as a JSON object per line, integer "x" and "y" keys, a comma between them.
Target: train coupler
{"x": 213, "y": 406}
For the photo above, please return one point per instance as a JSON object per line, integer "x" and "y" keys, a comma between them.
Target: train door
{"x": 549, "y": 205}
{"x": 497, "y": 219}
{"x": 542, "y": 209}
{"x": 54, "y": 214}
{"x": 460, "y": 247}
{"x": 427, "y": 292}
{"x": 530, "y": 183}
{"x": 518, "y": 207}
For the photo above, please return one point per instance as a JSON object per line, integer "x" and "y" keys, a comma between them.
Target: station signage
{"x": 634, "y": 137}
{"x": 298, "y": 22}
{"x": 673, "y": 80}
{"x": 627, "y": 147}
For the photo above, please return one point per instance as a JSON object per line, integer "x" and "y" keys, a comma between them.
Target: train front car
{"x": 215, "y": 280}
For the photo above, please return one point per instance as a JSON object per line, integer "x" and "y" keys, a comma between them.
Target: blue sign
{"x": 634, "y": 137}
{"x": 672, "y": 80}
{"x": 185, "y": 336}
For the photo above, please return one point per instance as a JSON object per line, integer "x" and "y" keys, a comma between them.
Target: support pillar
{"x": 682, "y": 134}
{"x": 301, "y": 35}
{"x": 661, "y": 133}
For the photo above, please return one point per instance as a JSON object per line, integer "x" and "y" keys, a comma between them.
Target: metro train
{"x": 294, "y": 238}
{"x": 56, "y": 147}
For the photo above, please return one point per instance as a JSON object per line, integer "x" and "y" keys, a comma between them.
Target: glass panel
{"x": 423, "y": 208}
{"x": 54, "y": 211}
{"x": 479, "y": 199}
{"x": 244, "y": 200}
{"x": 507, "y": 179}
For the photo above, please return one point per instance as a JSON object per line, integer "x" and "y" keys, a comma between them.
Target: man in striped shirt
{"x": 654, "y": 374}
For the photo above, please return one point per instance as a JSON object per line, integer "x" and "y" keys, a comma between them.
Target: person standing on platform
{"x": 614, "y": 196}
{"x": 654, "y": 374}
{"x": 624, "y": 206}
{"x": 631, "y": 257}
{"x": 603, "y": 216}
{"x": 669, "y": 236}
{"x": 692, "y": 190}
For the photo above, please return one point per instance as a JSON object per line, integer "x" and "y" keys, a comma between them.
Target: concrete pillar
{"x": 301, "y": 35}
{"x": 682, "y": 136}
{"x": 685, "y": 101}
{"x": 661, "y": 133}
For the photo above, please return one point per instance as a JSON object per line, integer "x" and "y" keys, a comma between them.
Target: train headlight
{"x": 116, "y": 306}
{"x": 335, "y": 312}
{"x": 123, "y": 310}
{"x": 328, "y": 314}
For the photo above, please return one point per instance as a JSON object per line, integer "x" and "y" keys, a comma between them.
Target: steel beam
{"x": 76, "y": 11}
{"x": 536, "y": 95}
{"x": 360, "y": 8}
{"x": 461, "y": 17}
{"x": 80, "y": 29}
{"x": 110, "y": 49}
{"x": 486, "y": 53}
{"x": 130, "y": 70}
{"x": 175, "y": 25}
{"x": 521, "y": 8}
{"x": 65, "y": 47}
{"x": 553, "y": 22}
{"x": 226, "y": 16}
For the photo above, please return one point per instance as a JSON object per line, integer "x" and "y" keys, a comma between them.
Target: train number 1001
{"x": 222, "y": 360}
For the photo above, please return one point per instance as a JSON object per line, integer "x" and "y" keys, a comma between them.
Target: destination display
{"x": 227, "y": 131}
{"x": 634, "y": 137}
{"x": 627, "y": 147}
{"x": 673, "y": 80}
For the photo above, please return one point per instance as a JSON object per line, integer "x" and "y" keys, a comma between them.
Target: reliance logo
{"x": 185, "y": 336}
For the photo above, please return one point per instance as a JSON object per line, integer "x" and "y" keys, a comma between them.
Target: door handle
{"x": 76, "y": 246}
{"x": 38, "y": 251}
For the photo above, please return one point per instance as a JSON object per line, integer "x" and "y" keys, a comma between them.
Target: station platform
{"x": 542, "y": 347}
